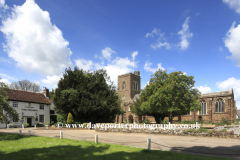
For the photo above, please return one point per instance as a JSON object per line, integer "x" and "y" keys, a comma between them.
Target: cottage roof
{"x": 24, "y": 96}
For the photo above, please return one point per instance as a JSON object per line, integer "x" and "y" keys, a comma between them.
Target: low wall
{"x": 232, "y": 131}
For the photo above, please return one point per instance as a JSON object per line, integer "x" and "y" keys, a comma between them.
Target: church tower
{"x": 128, "y": 86}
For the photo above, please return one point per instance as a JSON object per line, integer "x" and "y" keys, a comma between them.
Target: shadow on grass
{"x": 10, "y": 136}
{"x": 227, "y": 152}
{"x": 39, "y": 148}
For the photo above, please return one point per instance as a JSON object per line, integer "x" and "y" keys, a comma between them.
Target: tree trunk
{"x": 159, "y": 118}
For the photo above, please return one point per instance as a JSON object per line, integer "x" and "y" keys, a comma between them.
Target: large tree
{"x": 6, "y": 111}
{"x": 169, "y": 95}
{"x": 25, "y": 85}
{"x": 89, "y": 96}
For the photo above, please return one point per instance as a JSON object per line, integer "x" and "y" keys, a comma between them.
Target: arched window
{"x": 123, "y": 85}
{"x": 135, "y": 85}
{"x": 203, "y": 108}
{"x": 219, "y": 105}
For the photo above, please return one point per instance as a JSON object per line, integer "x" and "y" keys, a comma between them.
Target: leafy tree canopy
{"x": 70, "y": 119}
{"x": 6, "y": 111}
{"x": 168, "y": 95}
{"x": 89, "y": 96}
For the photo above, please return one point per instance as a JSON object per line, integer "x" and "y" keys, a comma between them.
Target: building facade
{"x": 215, "y": 106}
{"x": 31, "y": 107}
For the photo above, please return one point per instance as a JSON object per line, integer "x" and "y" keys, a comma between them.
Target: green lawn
{"x": 13, "y": 146}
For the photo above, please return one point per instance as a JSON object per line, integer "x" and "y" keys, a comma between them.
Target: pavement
{"x": 216, "y": 147}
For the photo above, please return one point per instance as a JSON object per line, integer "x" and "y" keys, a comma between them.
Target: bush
{"x": 62, "y": 118}
{"x": 202, "y": 129}
{"x": 185, "y": 131}
{"x": 223, "y": 130}
{"x": 165, "y": 122}
{"x": 70, "y": 119}
{"x": 52, "y": 123}
{"x": 191, "y": 130}
{"x": 11, "y": 125}
{"x": 146, "y": 121}
{"x": 46, "y": 124}
{"x": 25, "y": 125}
{"x": 211, "y": 131}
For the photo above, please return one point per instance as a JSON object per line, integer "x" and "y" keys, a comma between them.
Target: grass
{"x": 17, "y": 147}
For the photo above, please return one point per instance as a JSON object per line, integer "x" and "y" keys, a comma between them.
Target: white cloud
{"x": 185, "y": 34}
{"x": 155, "y": 32}
{"x": 160, "y": 44}
{"x": 232, "y": 41}
{"x": 7, "y": 77}
{"x": 3, "y": 5}
{"x": 3, "y": 60}
{"x": 203, "y": 89}
{"x": 84, "y": 64}
{"x": 160, "y": 35}
{"x": 33, "y": 41}
{"x": 147, "y": 67}
{"x": 118, "y": 67}
{"x": 107, "y": 52}
{"x": 51, "y": 81}
{"x": 233, "y": 4}
{"x": 227, "y": 84}
{"x": 6, "y": 81}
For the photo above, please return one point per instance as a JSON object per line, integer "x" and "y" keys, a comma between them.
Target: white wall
{"x": 32, "y": 110}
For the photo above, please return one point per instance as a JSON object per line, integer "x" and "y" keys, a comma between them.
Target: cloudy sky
{"x": 40, "y": 38}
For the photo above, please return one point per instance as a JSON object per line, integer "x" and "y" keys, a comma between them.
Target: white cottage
{"x": 32, "y": 107}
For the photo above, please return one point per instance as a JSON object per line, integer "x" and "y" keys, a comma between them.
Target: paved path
{"x": 219, "y": 147}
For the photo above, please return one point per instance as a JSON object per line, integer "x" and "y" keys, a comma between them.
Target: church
{"x": 215, "y": 106}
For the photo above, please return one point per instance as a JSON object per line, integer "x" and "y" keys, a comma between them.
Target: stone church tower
{"x": 129, "y": 85}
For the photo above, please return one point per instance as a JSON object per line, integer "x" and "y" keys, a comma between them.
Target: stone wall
{"x": 232, "y": 131}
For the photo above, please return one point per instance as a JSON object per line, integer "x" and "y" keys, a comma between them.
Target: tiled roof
{"x": 24, "y": 96}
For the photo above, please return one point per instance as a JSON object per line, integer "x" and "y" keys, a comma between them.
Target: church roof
{"x": 221, "y": 93}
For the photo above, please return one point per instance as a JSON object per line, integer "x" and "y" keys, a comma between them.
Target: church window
{"x": 219, "y": 105}
{"x": 123, "y": 85}
{"x": 203, "y": 108}
{"x": 135, "y": 85}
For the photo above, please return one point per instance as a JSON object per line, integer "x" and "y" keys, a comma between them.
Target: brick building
{"x": 215, "y": 106}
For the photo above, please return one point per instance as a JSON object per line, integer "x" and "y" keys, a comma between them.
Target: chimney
{"x": 46, "y": 92}
{"x": 137, "y": 73}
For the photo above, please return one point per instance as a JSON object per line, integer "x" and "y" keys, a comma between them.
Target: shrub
{"x": 146, "y": 121}
{"x": 165, "y": 122}
{"x": 52, "y": 123}
{"x": 202, "y": 129}
{"x": 37, "y": 124}
{"x": 25, "y": 125}
{"x": 70, "y": 119}
{"x": 223, "y": 130}
{"x": 46, "y": 124}
{"x": 62, "y": 118}
{"x": 191, "y": 130}
{"x": 211, "y": 131}
{"x": 185, "y": 131}
{"x": 11, "y": 125}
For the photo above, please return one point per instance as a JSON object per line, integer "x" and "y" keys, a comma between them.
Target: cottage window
{"x": 52, "y": 112}
{"x": 219, "y": 105}
{"x": 41, "y": 107}
{"x": 41, "y": 118}
{"x": 203, "y": 108}
{"x": 15, "y": 104}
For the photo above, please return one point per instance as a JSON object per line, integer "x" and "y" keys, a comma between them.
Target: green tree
{"x": 6, "y": 111}
{"x": 51, "y": 93}
{"x": 70, "y": 119}
{"x": 89, "y": 96}
{"x": 169, "y": 95}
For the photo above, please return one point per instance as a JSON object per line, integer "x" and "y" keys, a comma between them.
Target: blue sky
{"x": 43, "y": 37}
